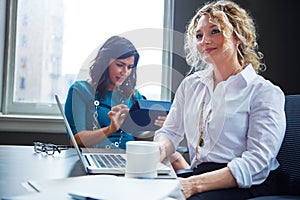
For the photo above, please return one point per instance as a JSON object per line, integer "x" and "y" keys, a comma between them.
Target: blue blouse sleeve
{"x": 78, "y": 100}
{"x": 138, "y": 95}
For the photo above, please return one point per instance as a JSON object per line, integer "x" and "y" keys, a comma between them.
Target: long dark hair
{"x": 115, "y": 47}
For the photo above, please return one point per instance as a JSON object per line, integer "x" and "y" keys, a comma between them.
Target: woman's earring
{"x": 128, "y": 82}
{"x": 240, "y": 53}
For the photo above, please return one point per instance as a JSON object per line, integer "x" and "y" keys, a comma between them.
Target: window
{"x": 52, "y": 42}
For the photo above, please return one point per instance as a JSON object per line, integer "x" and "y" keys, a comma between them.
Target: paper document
{"x": 107, "y": 187}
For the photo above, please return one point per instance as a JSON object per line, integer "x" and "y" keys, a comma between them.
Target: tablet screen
{"x": 143, "y": 113}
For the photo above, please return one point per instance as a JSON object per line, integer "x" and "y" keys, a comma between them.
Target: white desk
{"x": 18, "y": 164}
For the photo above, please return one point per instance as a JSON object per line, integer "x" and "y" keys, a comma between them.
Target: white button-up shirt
{"x": 245, "y": 129}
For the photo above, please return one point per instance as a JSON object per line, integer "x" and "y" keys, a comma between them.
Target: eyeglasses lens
{"x": 47, "y": 148}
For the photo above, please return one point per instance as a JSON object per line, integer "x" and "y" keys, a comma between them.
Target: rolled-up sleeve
{"x": 267, "y": 124}
{"x": 174, "y": 131}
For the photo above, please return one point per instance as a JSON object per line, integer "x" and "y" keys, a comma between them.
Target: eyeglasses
{"x": 49, "y": 149}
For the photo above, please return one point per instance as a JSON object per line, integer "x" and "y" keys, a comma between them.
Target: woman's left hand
{"x": 160, "y": 120}
{"x": 187, "y": 187}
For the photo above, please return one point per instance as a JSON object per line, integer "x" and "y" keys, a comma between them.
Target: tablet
{"x": 143, "y": 113}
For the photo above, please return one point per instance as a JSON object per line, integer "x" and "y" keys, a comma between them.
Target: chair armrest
{"x": 182, "y": 149}
{"x": 184, "y": 173}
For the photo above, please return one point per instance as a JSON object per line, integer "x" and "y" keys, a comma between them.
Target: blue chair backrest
{"x": 289, "y": 154}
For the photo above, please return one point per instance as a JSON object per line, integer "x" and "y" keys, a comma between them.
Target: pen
{"x": 157, "y": 178}
{"x": 77, "y": 196}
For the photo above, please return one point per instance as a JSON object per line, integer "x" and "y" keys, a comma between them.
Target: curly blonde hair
{"x": 230, "y": 18}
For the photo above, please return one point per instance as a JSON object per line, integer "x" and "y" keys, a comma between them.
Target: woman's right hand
{"x": 117, "y": 116}
{"x": 162, "y": 148}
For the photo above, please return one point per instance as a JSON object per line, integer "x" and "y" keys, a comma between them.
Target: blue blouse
{"x": 80, "y": 109}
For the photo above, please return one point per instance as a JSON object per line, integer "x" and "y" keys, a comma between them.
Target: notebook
{"x": 102, "y": 163}
{"x": 143, "y": 113}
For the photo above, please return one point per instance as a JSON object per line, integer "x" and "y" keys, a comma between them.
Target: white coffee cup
{"x": 142, "y": 158}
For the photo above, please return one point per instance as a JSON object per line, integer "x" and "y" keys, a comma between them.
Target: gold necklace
{"x": 202, "y": 126}
{"x": 236, "y": 71}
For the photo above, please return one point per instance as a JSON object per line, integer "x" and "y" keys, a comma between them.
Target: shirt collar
{"x": 206, "y": 76}
{"x": 247, "y": 75}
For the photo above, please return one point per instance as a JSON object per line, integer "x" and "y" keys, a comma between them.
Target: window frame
{"x": 48, "y": 118}
{"x": 2, "y": 39}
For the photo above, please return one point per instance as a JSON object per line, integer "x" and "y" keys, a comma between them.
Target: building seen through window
{"x": 55, "y": 41}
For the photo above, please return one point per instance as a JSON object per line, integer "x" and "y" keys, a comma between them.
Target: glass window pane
{"x": 56, "y": 39}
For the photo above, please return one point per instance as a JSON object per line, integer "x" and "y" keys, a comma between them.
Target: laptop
{"x": 99, "y": 162}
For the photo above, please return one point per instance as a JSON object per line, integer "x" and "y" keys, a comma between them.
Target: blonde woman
{"x": 232, "y": 117}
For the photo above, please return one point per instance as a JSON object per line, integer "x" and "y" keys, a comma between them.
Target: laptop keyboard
{"x": 109, "y": 160}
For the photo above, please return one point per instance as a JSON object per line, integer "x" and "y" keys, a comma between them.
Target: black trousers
{"x": 268, "y": 187}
